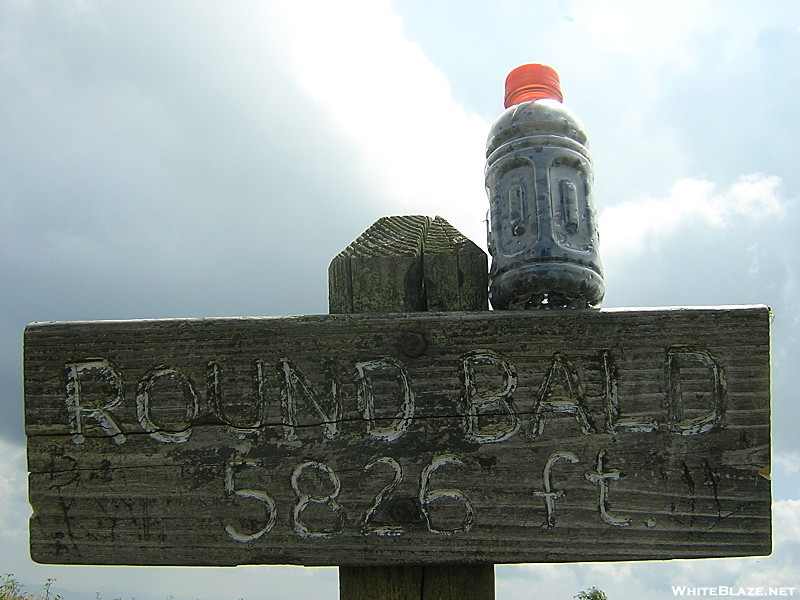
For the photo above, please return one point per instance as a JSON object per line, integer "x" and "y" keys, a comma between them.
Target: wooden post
{"x": 404, "y": 264}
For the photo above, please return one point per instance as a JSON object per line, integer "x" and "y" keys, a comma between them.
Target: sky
{"x": 195, "y": 159}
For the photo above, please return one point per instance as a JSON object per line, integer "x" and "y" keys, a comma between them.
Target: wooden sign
{"x": 424, "y": 438}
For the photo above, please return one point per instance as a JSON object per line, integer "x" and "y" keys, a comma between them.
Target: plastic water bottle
{"x": 542, "y": 230}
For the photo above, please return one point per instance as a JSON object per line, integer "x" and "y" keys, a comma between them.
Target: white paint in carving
{"x": 615, "y": 424}
{"x": 428, "y": 496}
{"x": 304, "y": 499}
{"x": 143, "y": 401}
{"x": 601, "y": 478}
{"x": 675, "y": 357}
{"x": 214, "y": 394}
{"x": 476, "y": 403}
{"x": 367, "y": 527}
{"x": 258, "y": 495}
{"x": 548, "y": 494}
{"x": 293, "y": 386}
{"x": 571, "y": 402}
{"x": 366, "y": 370}
{"x": 76, "y": 412}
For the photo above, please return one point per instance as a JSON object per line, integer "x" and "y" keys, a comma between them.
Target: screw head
{"x": 412, "y": 344}
{"x": 405, "y": 510}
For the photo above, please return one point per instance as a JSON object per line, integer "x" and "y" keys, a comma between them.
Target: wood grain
{"x": 454, "y": 277}
{"x": 149, "y": 442}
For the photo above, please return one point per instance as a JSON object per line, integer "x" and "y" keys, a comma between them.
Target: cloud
{"x": 13, "y": 498}
{"x": 789, "y": 462}
{"x": 635, "y": 227}
{"x": 423, "y": 150}
{"x": 654, "y": 34}
{"x": 197, "y": 159}
{"x": 182, "y": 171}
{"x": 787, "y": 521}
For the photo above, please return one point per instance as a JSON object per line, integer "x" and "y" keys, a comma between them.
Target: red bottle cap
{"x": 532, "y": 82}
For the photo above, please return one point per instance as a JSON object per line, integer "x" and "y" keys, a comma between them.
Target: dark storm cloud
{"x": 160, "y": 162}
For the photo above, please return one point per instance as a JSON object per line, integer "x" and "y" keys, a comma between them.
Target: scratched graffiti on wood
{"x": 418, "y": 437}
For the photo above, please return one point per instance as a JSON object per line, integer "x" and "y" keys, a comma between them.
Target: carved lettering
{"x": 304, "y": 499}
{"x": 560, "y": 394}
{"x": 367, "y": 526}
{"x": 178, "y": 392}
{"x": 167, "y": 402}
{"x": 678, "y": 360}
{"x": 259, "y": 398}
{"x": 294, "y": 386}
{"x": 428, "y": 496}
{"x": 615, "y": 424}
{"x": 102, "y": 382}
{"x": 497, "y": 400}
{"x": 403, "y": 416}
{"x": 548, "y": 494}
{"x": 601, "y": 478}
{"x": 258, "y": 495}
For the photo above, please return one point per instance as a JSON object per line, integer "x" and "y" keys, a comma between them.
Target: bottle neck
{"x": 531, "y": 94}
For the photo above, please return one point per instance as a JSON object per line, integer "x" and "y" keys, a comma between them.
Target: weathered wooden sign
{"x": 412, "y": 438}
